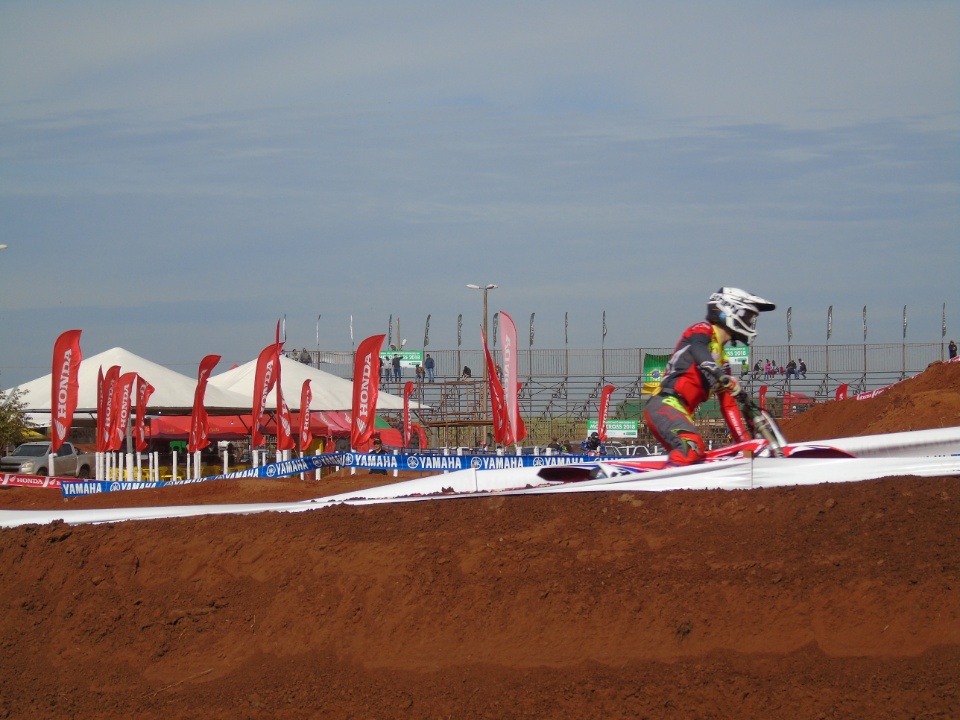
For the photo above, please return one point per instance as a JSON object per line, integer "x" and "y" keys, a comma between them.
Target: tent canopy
{"x": 329, "y": 392}
{"x": 173, "y": 391}
{"x": 229, "y": 393}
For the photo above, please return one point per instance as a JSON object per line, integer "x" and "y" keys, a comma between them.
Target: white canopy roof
{"x": 329, "y": 392}
{"x": 173, "y": 391}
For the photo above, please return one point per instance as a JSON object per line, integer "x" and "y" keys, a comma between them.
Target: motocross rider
{"x": 698, "y": 369}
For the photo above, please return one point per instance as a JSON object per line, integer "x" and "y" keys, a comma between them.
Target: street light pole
{"x": 483, "y": 390}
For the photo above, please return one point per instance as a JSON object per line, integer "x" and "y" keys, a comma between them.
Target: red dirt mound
{"x": 929, "y": 400}
{"x": 829, "y": 601}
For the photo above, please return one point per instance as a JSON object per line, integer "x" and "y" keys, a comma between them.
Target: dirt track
{"x": 831, "y": 601}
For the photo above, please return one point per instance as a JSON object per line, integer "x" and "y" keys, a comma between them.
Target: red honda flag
{"x": 198, "y": 439}
{"x": 407, "y": 429}
{"x": 284, "y": 424}
{"x": 366, "y": 391}
{"x": 762, "y": 397}
{"x": 100, "y": 391}
{"x": 265, "y": 378}
{"x": 511, "y": 385}
{"x": 604, "y": 407}
{"x": 423, "y": 435}
{"x": 498, "y": 410}
{"x": 122, "y": 399}
{"x": 144, "y": 391}
{"x": 306, "y": 434}
{"x": 66, "y": 366}
{"x": 105, "y": 413}
{"x": 842, "y": 392}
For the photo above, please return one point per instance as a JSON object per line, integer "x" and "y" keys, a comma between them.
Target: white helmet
{"x": 737, "y": 311}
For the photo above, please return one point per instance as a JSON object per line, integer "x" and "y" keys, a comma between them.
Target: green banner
{"x": 408, "y": 358}
{"x": 739, "y": 355}
{"x": 615, "y": 428}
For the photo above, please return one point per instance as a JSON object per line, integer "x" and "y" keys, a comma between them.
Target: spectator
{"x": 466, "y": 374}
{"x": 791, "y": 369}
{"x": 378, "y": 449}
{"x": 952, "y": 349}
{"x": 767, "y": 369}
{"x": 305, "y": 357}
{"x": 428, "y": 366}
{"x": 801, "y": 369}
{"x": 384, "y": 370}
{"x": 397, "y": 372}
{"x": 420, "y": 375}
{"x": 757, "y": 369}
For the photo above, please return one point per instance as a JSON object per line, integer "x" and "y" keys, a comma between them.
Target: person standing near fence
{"x": 952, "y": 349}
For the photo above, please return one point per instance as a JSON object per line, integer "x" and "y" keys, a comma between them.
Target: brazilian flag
{"x": 654, "y": 369}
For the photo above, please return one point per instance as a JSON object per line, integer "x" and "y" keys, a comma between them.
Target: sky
{"x": 177, "y": 176}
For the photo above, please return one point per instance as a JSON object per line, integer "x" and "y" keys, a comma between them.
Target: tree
{"x": 13, "y": 418}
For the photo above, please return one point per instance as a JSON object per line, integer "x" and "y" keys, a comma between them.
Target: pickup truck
{"x": 32, "y": 458}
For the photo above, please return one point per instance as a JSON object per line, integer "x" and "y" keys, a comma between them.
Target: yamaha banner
{"x": 361, "y": 461}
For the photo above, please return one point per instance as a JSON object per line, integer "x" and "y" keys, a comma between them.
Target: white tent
{"x": 173, "y": 392}
{"x": 329, "y": 392}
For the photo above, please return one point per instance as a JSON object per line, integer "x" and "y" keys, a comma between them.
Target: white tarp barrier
{"x": 734, "y": 474}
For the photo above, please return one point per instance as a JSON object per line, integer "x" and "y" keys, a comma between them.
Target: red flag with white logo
{"x": 105, "y": 413}
{"x": 284, "y": 423}
{"x": 762, "y": 397}
{"x": 122, "y": 400}
{"x": 265, "y": 378}
{"x": 144, "y": 391}
{"x": 604, "y": 407}
{"x": 100, "y": 391}
{"x": 306, "y": 434}
{"x": 366, "y": 391}
{"x": 198, "y": 439}
{"x": 407, "y": 429}
{"x": 498, "y": 411}
{"x": 511, "y": 383}
{"x": 66, "y": 366}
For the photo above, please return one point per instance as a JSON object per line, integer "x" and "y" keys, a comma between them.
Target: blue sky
{"x": 176, "y": 176}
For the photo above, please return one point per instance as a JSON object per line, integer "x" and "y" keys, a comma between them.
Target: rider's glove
{"x": 730, "y": 384}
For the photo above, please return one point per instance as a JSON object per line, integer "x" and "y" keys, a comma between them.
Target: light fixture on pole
{"x": 483, "y": 390}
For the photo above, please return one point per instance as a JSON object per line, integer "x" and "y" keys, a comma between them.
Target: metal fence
{"x": 877, "y": 361}
{"x": 561, "y": 388}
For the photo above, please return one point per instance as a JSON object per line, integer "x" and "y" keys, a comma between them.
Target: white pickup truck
{"x": 33, "y": 458}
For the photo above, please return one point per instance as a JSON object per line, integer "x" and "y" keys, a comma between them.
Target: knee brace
{"x": 691, "y": 452}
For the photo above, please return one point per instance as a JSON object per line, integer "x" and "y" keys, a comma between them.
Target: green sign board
{"x": 738, "y": 355}
{"x": 615, "y": 428}
{"x": 408, "y": 358}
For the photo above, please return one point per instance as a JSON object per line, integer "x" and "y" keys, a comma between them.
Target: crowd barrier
{"x": 359, "y": 461}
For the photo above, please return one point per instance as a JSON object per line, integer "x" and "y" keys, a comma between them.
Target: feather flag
{"x": 498, "y": 411}
{"x": 604, "y": 407}
{"x": 198, "y": 438}
{"x": 264, "y": 380}
{"x": 105, "y": 412}
{"x": 284, "y": 424}
{"x": 66, "y": 366}
{"x": 306, "y": 433}
{"x": 144, "y": 391}
{"x": 407, "y": 425}
{"x": 366, "y": 392}
{"x": 511, "y": 386}
{"x": 122, "y": 400}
